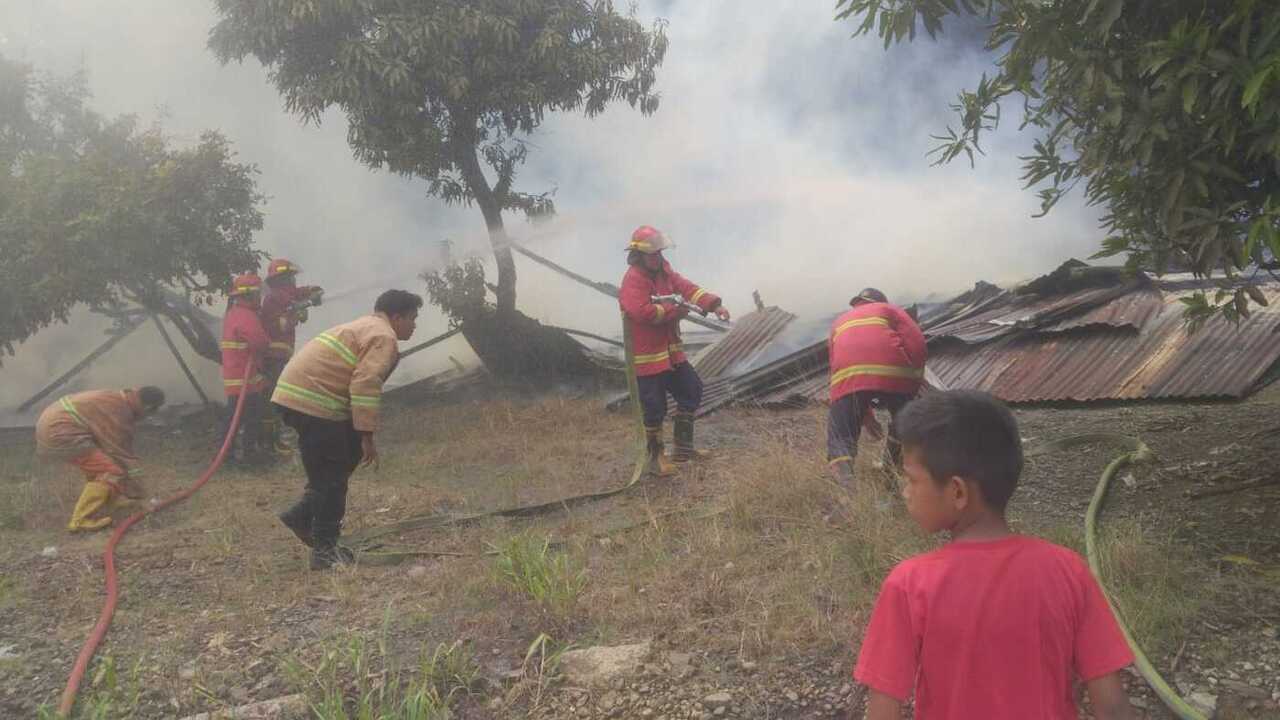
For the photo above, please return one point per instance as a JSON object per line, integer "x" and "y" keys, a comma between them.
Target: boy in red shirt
{"x": 992, "y": 625}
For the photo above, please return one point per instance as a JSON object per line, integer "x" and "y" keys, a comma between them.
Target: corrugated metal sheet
{"x": 750, "y": 335}
{"x": 733, "y": 353}
{"x": 1129, "y": 306}
{"x": 1133, "y": 309}
{"x": 1123, "y": 342}
{"x": 1159, "y": 361}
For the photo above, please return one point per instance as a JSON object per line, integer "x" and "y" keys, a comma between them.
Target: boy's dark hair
{"x": 966, "y": 434}
{"x": 397, "y": 302}
{"x": 150, "y": 396}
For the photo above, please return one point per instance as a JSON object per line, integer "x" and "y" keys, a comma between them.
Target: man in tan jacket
{"x": 330, "y": 392}
{"x": 93, "y": 430}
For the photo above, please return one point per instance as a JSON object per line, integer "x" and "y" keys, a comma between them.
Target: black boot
{"x": 683, "y": 433}
{"x": 326, "y": 552}
{"x": 298, "y": 519}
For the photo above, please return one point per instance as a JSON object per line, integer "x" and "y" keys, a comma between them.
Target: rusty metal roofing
{"x": 1133, "y": 309}
{"x": 734, "y": 353}
{"x": 1117, "y": 342}
{"x": 1127, "y": 306}
{"x": 1162, "y": 359}
{"x": 749, "y": 336}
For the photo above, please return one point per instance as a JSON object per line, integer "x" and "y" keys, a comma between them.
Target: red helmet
{"x": 649, "y": 240}
{"x": 279, "y": 267}
{"x": 246, "y": 284}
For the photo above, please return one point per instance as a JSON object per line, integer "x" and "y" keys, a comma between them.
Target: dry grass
{"x": 1157, "y": 584}
{"x": 756, "y": 551}
{"x": 788, "y": 566}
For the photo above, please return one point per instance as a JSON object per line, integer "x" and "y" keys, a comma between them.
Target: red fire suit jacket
{"x": 281, "y": 324}
{"x": 655, "y": 328}
{"x": 876, "y": 346}
{"x": 242, "y": 338}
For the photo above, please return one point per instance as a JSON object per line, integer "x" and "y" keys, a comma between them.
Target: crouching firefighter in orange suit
{"x": 243, "y": 341}
{"x": 877, "y": 355}
{"x": 661, "y": 366}
{"x": 94, "y": 431}
{"x": 283, "y": 309}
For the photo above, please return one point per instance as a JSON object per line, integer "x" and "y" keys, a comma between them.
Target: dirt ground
{"x": 741, "y": 572}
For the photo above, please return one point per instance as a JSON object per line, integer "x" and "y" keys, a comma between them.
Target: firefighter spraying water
{"x": 647, "y": 299}
{"x": 283, "y": 309}
{"x": 678, "y": 300}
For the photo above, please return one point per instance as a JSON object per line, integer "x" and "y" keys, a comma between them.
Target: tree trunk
{"x": 491, "y": 208}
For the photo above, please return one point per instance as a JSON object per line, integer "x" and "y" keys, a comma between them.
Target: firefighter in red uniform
{"x": 244, "y": 340}
{"x": 877, "y": 357}
{"x": 661, "y": 366}
{"x": 283, "y": 309}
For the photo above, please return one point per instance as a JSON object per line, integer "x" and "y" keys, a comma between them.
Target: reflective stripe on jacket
{"x": 339, "y": 373}
{"x": 655, "y": 328}
{"x": 242, "y": 338}
{"x": 876, "y": 346}
{"x": 105, "y": 419}
{"x": 281, "y": 323}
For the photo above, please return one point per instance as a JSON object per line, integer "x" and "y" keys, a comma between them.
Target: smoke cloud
{"x": 785, "y": 158}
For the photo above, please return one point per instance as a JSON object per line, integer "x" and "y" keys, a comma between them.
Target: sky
{"x": 786, "y": 157}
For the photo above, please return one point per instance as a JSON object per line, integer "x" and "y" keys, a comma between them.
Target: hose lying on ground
{"x": 109, "y": 561}
{"x": 366, "y": 546}
{"x": 1138, "y": 453}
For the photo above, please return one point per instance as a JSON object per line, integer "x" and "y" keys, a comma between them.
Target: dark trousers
{"x": 271, "y": 369}
{"x": 250, "y": 439}
{"x": 844, "y": 423}
{"x": 682, "y": 382}
{"x": 330, "y": 451}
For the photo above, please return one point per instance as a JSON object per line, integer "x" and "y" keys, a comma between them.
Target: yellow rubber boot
{"x": 93, "y": 498}
{"x": 659, "y": 465}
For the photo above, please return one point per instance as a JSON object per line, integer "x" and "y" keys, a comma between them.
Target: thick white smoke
{"x": 786, "y": 157}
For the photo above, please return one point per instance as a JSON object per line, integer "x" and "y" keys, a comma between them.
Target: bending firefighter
{"x": 283, "y": 309}
{"x": 661, "y": 366}
{"x": 330, "y": 392}
{"x": 243, "y": 341}
{"x": 94, "y": 431}
{"x": 877, "y": 355}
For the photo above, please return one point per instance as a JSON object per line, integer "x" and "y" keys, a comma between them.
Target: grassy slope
{"x": 218, "y": 607}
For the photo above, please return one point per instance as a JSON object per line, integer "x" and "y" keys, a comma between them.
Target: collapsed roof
{"x": 1080, "y": 333}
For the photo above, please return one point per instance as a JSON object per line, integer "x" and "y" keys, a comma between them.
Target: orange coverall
{"x": 94, "y": 430}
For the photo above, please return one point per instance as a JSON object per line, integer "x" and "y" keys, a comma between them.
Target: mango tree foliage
{"x": 448, "y": 90}
{"x": 1168, "y": 112}
{"x": 96, "y": 211}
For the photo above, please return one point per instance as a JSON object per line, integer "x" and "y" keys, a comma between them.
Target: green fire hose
{"x": 1138, "y": 453}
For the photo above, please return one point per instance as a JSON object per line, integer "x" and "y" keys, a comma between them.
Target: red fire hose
{"x": 109, "y": 561}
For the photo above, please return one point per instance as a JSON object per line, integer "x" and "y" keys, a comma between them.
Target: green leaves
{"x": 1253, "y": 88}
{"x": 1166, "y": 114}
{"x": 95, "y": 211}
{"x": 430, "y": 89}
